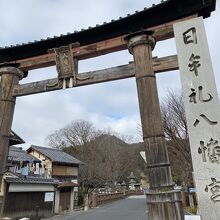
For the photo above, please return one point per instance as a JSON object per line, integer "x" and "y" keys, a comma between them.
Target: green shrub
{"x": 191, "y": 210}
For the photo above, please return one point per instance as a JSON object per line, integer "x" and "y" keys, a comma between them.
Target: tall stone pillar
{"x": 10, "y": 76}
{"x": 201, "y": 102}
{"x": 162, "y": 204}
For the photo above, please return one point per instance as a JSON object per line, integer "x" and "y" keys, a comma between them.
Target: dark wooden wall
{"x": 27, "y": 204}
{"x": 65, "y": 195}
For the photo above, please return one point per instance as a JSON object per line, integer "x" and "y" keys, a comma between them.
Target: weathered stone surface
{"x": 202, "y": 112}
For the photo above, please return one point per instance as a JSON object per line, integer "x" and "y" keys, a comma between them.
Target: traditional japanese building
{"x": 32, "y": 197}
{"x": 20, "y": 162}
{"x": 62, "y": 167}
{"x": 22, "y": 182}
{"x": 15, "y": 139}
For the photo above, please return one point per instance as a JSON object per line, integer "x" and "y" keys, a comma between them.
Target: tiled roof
{"x": 55, "y": 155}
{"x": 67, "y": 184}
{"x": 88, "y": 28}
{"x": 15, "y": 139}
{"x": 31, "y": 180}
{"x": 157, "y": 14}
{"x": 17, "y": 154}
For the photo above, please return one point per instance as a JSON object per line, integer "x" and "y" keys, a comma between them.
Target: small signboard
{"x": 75, "y": 187}
{"x": 192, "y": 190}
{"x": 49, "y": 197}
{"x": 192, "y": 217}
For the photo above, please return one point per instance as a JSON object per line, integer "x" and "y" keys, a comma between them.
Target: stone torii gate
{"x": 139, "y": 33}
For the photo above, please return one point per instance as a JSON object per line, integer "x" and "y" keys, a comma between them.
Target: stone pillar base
{"x": 164, "y": 205}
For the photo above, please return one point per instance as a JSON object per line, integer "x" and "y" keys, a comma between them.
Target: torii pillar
{"x": 10, "y": 77}
{"x": 163, "y": 203}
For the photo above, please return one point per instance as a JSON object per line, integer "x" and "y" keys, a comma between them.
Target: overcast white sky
{"x": 111, "y": 105}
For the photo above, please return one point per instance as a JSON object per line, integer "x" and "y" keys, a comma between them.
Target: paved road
{"x": 131, "y": 208}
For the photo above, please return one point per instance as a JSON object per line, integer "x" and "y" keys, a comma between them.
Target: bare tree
{"x": 77, "y": 133}
{"x": 175, "y": 128}
{"x": 107, "y": 158}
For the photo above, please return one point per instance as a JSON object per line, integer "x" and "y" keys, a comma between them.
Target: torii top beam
{"x": 162, "y": 13}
